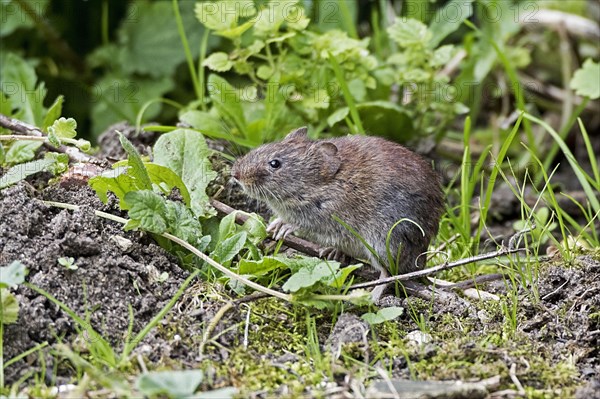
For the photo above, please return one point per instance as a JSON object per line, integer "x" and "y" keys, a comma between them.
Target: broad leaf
{"x": 54, "y": 112}
{"x": 219, "y": 62}
{"x": 9, "y": 307}
{"x": 21, "y": 151}
{"x": 18, "y": 81}
{"x": 22, "y": 170}
{"x": 174, "y": 384}
{"x": 182, "y": 223}
{"x": 226, "y": 250}
{"x": 260, "y": 267}
{"x": 149, "y": 33}
{"x": 228, "y": 101}
{"x": 149, "y": 209}
{"x": 383, "y": 315}
{"x": 185, "y": 152}
{"x": 136, "y": 170}
{"x": 309, "y": 275}
{"x": 12, "y": 275}
{"x": 409, "y": 32}
{"x": 166, "y": 179}
{"x": 448, "y": 19}
{"x": 116, "y": 181}
{"x": 586, "y": 80}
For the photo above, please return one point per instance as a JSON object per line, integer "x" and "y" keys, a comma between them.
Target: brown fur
{"x": 368, "y": 182}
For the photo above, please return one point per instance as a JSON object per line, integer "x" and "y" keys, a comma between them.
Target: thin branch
{"x": 432, "y": 270}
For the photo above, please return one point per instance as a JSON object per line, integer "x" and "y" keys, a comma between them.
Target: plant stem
{"x": 347, "y": 19}
{"x": 190, "y": 248}
{"x": 186, "y": 48}
{"x": 563, "y": 132}
{"x": 1, "y": 343}
{"x": 201, "y": 75}
{"x": 346, "y": 92}
{"x": 104, "y": 21}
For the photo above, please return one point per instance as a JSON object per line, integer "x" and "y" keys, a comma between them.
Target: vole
{"x": 367, "y": 182}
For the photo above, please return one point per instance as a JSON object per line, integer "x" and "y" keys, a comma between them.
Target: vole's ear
{"x": 331, "y": 159}
{"x": 298, "y": 134}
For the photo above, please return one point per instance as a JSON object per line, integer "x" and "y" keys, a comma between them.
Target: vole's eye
{"x": 275, "y": 163}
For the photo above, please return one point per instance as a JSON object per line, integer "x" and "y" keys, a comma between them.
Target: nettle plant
{"x": 281, "y": 75}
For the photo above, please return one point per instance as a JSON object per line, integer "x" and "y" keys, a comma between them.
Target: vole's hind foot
{"x": 279, "y": 229}
{"x": 377, "y": 292}
{"x": 331, "y": 253}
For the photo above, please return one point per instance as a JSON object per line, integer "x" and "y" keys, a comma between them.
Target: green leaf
{"x": 227, "y": 226}
{"x": 311, "y": 274}
{"x": 337, "y": 116}
{"x": 586, "y": 80}
{"x": 174, "y": 384}
{"x": 185, "y": 152}
{"x": 223, "y": 15}
{"x": 18, "y": 81}
{"x": 264, "y": 72}
{"x": 21, "y": 171}
{"x": 117, "y": 181}
{"x": 342, "y": 275}
{"x": 54, "y": 112}
{"x": 181, "y": 223}
{"x": 385, "y": 314}
{"x": 409, "y": 32}
{"x": 318, "y": 99}
{"x": 448, "y": 19}
{"x": 64, "y": 128}
{"x": 60, "y": 162}
{"x": 235, "y": 32}
{"x": 166, "y": 179}
{"x": 21, "y": 151}
{"x": 226, "y": 250}
{"x": 221, "y": 393}
{"x": 12, "y": 275}
{"x": 441, "y": 56}
{"x": 5, "y": 106}
{"x": 272, "y": 15}
{"x": 149, "y": 33}
{"x": 257, "y": 231}
{"x": 149, "y": 209}
{"x": 206, "y": 123}
{"x": 9, "y": 307}
{"x": 219, "y": 62}
{"x": 228, "y": 101}
{"x": 260, "y": 267}
{"x": 2, "y": 155}
{"x": 136, "y": 170}
{"x": 54, "y": 140}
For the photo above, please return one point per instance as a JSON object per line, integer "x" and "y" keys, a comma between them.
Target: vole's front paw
{"x": 279, "y": 229}
{"x": 331, "y": 253}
